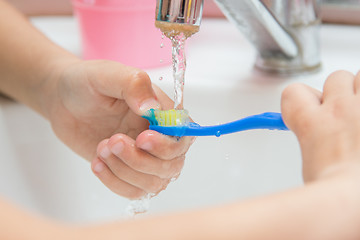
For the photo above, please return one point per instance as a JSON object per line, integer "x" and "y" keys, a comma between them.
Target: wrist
{"x": 48, "y": 90}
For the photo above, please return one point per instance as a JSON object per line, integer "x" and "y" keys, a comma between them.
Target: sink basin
{"x": 221, "y": 86}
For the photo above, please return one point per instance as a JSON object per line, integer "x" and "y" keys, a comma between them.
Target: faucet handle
{"x": 285, "y": 33}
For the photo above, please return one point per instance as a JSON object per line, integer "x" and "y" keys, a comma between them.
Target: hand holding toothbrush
{"x": 102, "y": 101}
{"x": 87, "y": 102}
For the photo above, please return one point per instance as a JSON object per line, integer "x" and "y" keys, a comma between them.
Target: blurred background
{"x": 338, "y": 11}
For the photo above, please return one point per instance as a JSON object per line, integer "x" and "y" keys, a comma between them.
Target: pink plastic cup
{"x": 123, "y": 31}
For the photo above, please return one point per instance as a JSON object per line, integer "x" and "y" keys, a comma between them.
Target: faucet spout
{"x": 285, "y": 33}
{"x": 178, "y": 16}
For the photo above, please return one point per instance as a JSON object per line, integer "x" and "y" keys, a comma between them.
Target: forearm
{"x": 16, "y": 224}
{"x": 327, "y": 210}
{"x": 27, "y": 60}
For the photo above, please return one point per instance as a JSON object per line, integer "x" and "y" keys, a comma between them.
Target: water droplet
{"x": 161, "y": 61}
{"x": 161, "y": 45}
{"x": 218, "y": 134}
{"x": 160, "y": 78}
{"x": 162, "y": 36}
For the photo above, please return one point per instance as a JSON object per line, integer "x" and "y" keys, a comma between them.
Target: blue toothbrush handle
{"x": 268, "y": 120}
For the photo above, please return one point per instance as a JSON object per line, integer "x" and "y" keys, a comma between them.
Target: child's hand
{"x": 327, "y": 124}
{"x": 99, "y": 100}
{"x": 132, "y": 168}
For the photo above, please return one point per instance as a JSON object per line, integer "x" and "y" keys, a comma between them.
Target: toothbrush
{"x": 177, "y": 123}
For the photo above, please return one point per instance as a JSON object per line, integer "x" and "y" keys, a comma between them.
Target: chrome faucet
{"x": 179, "y": 11}
{"x": 173, "y": 17}
{"x": 285, "y": 32}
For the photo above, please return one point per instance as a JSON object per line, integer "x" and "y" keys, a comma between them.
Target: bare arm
{"x": 17, "y": 224}
{"x": 26, "y": 59}
{"x": 327, "y": 210}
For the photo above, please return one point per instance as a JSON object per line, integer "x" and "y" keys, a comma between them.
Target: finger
{"x": 124, "y": 148}
{"x": 162, "y": 146}
{"x": 128, "y": 83}
{"x": 297, "y": 101}
{"x": 115, "y": 184}
{"x": 357, "y": 83}
{"x": 340, "y": 83}
{"x": 149, "y": 183}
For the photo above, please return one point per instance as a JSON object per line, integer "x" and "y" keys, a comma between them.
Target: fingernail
{"x": 99, "y": 167}
{"x": 147, "y": 146}
{"x": 148, "y": 104}
{"x": 105, "y": 152}
{"x": 117, "y": 148}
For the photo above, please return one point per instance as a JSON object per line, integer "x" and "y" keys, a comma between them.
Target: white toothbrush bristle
{"x": 172, "y": 117}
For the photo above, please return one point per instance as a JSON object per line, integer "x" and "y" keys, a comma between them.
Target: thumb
{"x": 129, "y": 84}
{"x": 139, "y": 93}
{"x": 298, "y": 104}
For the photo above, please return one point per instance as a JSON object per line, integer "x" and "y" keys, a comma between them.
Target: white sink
{"x": 40, "y": 173}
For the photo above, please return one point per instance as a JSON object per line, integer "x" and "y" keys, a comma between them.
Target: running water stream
{"x": 177, "y": 33}
{"x": 179, "y": 67}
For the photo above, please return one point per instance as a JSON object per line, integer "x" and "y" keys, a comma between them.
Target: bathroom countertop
{"x": 221, "y": 85}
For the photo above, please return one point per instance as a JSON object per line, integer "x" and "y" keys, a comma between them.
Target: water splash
{"x": 139, "y": 206}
